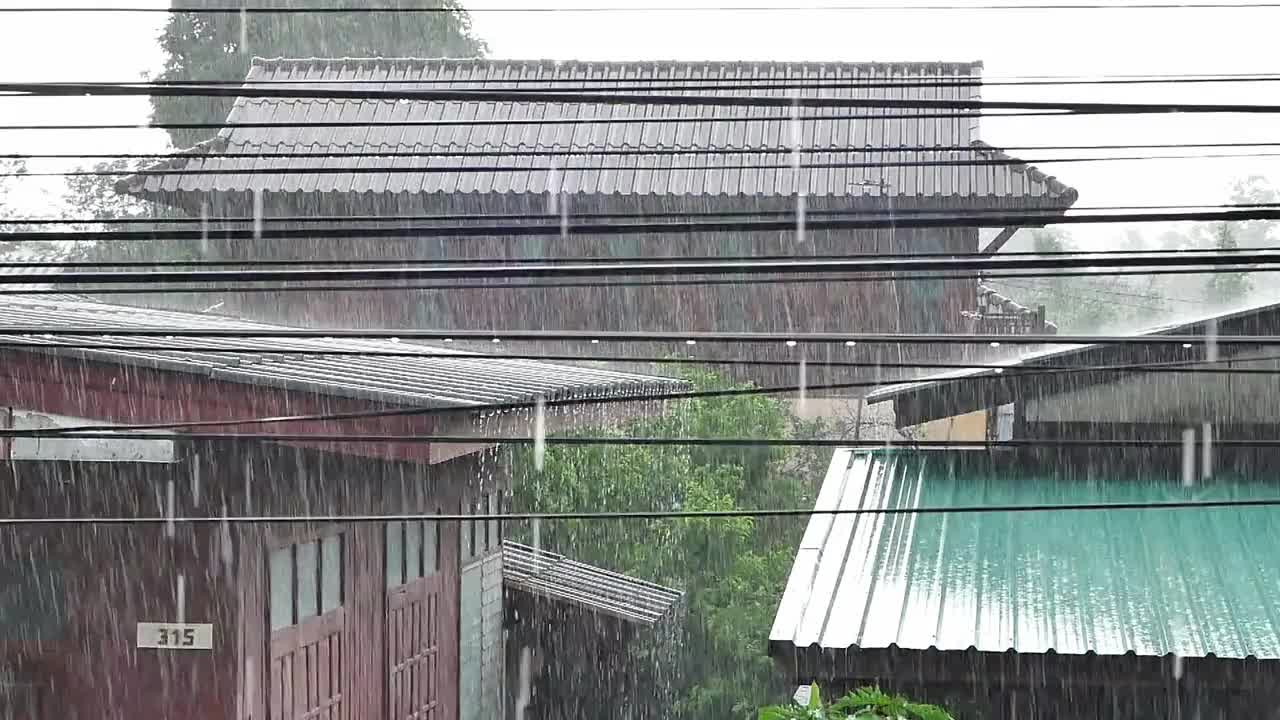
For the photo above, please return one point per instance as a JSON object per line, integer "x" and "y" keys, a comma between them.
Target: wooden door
{"x": 418, "y": 678}
{"x": 413, "y": 651}
{"x": 308, "y": 623}
{"x": 306, "y": 669}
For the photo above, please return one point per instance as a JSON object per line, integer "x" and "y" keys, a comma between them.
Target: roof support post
{"x": 999, "y": 241}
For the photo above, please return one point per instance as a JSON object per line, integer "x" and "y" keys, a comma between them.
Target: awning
{"x": 1192, "y": 582}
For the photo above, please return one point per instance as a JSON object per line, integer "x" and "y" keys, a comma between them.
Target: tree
{"x": 732, "y": 569}
{"x": 219, "y": 47}
{"x": 1225, "y": 288}
{"x": 868, "y": 703}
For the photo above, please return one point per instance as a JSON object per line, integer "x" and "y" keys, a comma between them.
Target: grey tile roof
{"x": 644, "y": 175}
{"x": 462, "y": 379}
{"x": 553, "y": 576}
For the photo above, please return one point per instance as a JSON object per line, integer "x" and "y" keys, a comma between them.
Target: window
{"x": 305, "y": 580}
{"x": 413, "y": 551}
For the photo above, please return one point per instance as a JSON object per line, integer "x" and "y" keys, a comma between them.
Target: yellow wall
{"x": 968, "y": 427}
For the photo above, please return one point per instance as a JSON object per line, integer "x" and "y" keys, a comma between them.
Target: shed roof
{"x": 1192, "y": 582}
{"x": 298, "y": 125}
{"x": 555, "y": 577}
{"x": 461, "y": 379}
{"x": 955, "y": 392}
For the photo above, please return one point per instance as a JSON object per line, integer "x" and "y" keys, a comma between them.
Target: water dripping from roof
{"x": 539, "y": 433}
{"x": 244, "y": 31}
{"x": 1211, "y": 340}
{"x": 204, "y": 229}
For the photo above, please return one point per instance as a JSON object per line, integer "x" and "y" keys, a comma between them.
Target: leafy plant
{"x": 864, "y": 702}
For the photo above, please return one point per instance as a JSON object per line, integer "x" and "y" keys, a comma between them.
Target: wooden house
{"x": 515, "y": 160}
{"x": 158, "y": 574}
{"x": 1031, "y": 598}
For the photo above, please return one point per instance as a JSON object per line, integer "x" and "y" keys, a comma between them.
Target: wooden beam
{"x": 999, "y": 241}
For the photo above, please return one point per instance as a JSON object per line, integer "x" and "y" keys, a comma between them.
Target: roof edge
{"x": 283, "y": 62}
{"x": 1067, "y": 194}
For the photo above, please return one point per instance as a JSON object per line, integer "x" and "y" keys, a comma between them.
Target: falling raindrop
{"x": 257, "y": 214}
{"x": 1177, "y": 667}
{"x": 1211, "y": 341}
{"x": 195, "y": 484}
{"x": 803, "y": 383}
{"x": 800, "y": 216}
{"x": 168, "y": 509}
{"x": 539, "y": 433}
{"x": 553, "y": 188}
{"x": 522, "y": 700}
{"x": 1188, "y": 457}
{"x": 182, "y": 598}
{"x": 204, "y": 229}
{"x": 1206, "y": 452}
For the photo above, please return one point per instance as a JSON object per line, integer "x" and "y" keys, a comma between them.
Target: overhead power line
{"x": 612, "y": 9}
{"x": 645, "y": 514}
{"x": 439, "y": 169}
{"x": 217, "y": 224}
{"x": 554, "y": 229}
{"x": 1130, "y": 256}
{"x": 629, "y": 152}
{"x": 1205, "y": 262}
{"x": 614, "y": 98}
{"x": 796, "y": 82}
{"x": 550, "y": 122}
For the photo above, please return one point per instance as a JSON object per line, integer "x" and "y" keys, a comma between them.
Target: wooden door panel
{"x": 306, "y": 669}
{"x": 415, "y": 683}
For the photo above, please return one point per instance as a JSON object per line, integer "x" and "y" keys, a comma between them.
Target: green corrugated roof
{"x": 1191, "y": 582}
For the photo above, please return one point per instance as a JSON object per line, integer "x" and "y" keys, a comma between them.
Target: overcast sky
{"x": 63, "y": 47}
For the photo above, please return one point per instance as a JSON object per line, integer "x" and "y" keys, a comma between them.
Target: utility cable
{"x": 146, "y": 89}
{"x": 633, "y": 152}
{"x": 1206, "y": 262}
{"x": 555, "y": 229}
{"x": 437, "y": 169}
{"x": 544, "y": 9}
{"x": 217, "y": 224}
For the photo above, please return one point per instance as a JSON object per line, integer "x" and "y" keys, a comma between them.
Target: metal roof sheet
{"x": 949, "y": 387}
{"x": 556, "y": 577}
{"x": 463, "y": 378}
{"x": 1191, "y": 582}
{"x": 626, "y": 128}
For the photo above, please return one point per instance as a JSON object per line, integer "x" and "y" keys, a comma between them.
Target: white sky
{"x": 62, "y": 47}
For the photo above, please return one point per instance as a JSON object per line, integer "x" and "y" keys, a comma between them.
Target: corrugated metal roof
{"x": 556, "y": 577}
{"x": 626, "y": 129}
{"x": 1192, "y": 582}
{"x": 467, "y": 379}
{"x": 955, "y": 392}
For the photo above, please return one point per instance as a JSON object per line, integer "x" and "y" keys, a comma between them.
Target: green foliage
{"x": 205, "y": 46}
{"x": 732, "y": 569}
{"x": 866, "y": 703}
{"x": 1228, "y": 287}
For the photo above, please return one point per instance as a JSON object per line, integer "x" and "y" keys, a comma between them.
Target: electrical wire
{"x": 800, "y": 82}
{"x": 1207, "y": 262}
{"x": 534, "y": 9}
{"x": 1128, "y": 255}
{"x": 647, "y": 514}
{"x": 550, "y": 122}
{"x": 216, "y": 224}
{"x": 755, "y": 167}
{"x": 147, "y": 89}
{"x": 634, "y": 152}
{"x": 555, "y": 229}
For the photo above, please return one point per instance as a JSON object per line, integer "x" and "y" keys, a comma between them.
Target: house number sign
{"x": 175, "y": 636}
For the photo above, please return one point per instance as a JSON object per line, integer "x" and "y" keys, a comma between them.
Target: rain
{"x": 463, "y": 359}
